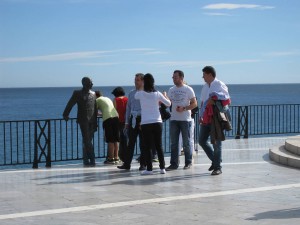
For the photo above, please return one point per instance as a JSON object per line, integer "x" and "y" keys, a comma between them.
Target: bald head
{"x": 87, "y": 83}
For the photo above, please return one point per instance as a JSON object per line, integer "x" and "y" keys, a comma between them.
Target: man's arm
{"x": 193, "y": 104}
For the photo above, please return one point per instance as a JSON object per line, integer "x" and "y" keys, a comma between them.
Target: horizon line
{"x": 133, "y": 85}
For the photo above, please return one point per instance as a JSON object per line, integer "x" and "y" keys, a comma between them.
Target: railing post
{"x": 242, "y": 124}
{"x": 48, "y": 157}
{"x": 246, "y": 123}
{"x": 35, "y": 160}
{"x": 38, "y": 143}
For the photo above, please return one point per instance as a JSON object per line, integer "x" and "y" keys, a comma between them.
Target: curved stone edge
{"x": 280, "y": 155}
{"x": 293, "y": 145}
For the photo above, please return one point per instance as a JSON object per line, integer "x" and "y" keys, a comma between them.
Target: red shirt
{"x": 121, "y": 103}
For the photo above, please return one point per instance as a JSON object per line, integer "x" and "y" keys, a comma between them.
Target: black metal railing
{"x": 54, "y": 140}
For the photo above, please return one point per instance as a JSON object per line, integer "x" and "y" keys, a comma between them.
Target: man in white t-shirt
{"x": 183, "y": 100}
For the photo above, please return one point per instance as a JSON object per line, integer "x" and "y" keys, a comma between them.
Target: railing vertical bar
{"x": 30, "y": 151}
{"x": 290, "y": 110}
{"x": 270, "y": 121}
{"x": 246, "y": 135}
{"x": 253, "y": 119}
{"x": 267, "y": 119}
{"x": 296, "y": 121}
{"x": 238, "y": 128}
{"x": 256, "y": 120}
{"x": 275, "y": 118}
{"x": 278, "y": 119}
{"x": 236, "y": 113}
{"x": 250, "y": 120}
{"x": 23, "y": 141}
{"x": 17, "y": 141}
{"x": 4, "y": 140}
{"x": 77, "y": 136}
{"x": 298, "y": 117}
{"x": 72, "y": 138}
{"x": 271, "y": 118}
{"x": 48, "y": 158}
{"x": 261, "y": 119}
{"x": 280, "y": 114}
{"x": 66, "y": 149}
{"x": 286, "y": 113}
{"x": 282, "y": 117}
{"x": 61, "y": 144}
{"x": 35, "y": 157}
{"x": 55, "y": 136}
{"x": 11, "y": 147}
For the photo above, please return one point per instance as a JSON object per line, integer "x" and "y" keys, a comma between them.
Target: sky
{"x": 54, "y": 43}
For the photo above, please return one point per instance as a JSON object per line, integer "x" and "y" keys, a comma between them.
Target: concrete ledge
{"x": 293, "y": 145}
{"x": 280, "y": 155}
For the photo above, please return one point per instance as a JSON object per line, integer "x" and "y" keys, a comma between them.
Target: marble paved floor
{"x": 251, "y": 190}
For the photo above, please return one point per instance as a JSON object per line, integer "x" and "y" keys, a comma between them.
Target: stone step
{"x": 293, "y": 145}
{"x": 280, "y": 155}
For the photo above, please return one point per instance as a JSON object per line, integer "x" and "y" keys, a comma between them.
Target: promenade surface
{"x": 251, "y": 190}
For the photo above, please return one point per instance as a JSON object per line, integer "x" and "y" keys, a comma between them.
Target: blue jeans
{"x": 175, "y": 128}
{"x": 215, "y": 153}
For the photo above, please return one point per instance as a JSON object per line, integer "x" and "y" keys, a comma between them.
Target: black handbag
{"x": 164, "y": 113}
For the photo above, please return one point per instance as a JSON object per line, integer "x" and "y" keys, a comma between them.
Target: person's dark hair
{"x": 149, "y": 83}
{"x": 98, "y": 94}
{"x": 118, "y": 92}
{"x": 140, "y": 75}
{"x": 180, "y": 73}
{"x": 209, "y": 69}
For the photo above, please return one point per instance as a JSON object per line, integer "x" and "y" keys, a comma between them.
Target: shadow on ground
{"x": 277, "y": 214}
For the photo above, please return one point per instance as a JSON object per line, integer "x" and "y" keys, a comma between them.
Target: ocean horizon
{"x": 38, "y": 103}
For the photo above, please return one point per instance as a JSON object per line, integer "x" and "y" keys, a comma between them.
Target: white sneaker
{"x": 163, "y": 171}
{"x": 147, "y": 172}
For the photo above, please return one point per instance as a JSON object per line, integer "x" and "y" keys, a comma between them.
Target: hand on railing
{"x": 66, "y": 118}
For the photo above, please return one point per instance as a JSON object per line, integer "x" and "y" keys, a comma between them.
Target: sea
{"x": 49, "y": 102}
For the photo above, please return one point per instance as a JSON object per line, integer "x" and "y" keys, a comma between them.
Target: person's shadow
{"x": 114, "y": 177}
{"x": 292, "y": 213}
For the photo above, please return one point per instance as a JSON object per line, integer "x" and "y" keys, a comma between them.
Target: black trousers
{"x": 88, "y": 154}
{"x": 123, "y": 142}
{"x": 152, "y": 135}
{"x": 133, "y": 133}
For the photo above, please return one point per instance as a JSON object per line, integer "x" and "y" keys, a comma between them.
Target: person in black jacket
{"x": 86, "y": 117}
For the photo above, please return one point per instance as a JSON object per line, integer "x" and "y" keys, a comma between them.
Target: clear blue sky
{"x": 53, "y": 43}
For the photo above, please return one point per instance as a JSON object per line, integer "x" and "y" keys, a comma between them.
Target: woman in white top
{"x": 151, "y": 123}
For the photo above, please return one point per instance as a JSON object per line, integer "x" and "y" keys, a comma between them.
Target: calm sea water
{"x": 49, "y": 103}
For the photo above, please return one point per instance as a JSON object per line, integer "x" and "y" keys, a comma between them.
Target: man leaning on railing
{"x": 86, "y": 117}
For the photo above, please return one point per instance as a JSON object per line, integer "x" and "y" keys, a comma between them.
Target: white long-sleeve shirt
{"x": 217, "y": 87}
{"x": 150, "y": 106}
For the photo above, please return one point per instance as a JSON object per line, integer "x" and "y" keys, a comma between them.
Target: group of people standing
{"x": 138, "y": 115}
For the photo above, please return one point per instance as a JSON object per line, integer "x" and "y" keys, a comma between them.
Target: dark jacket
{"x": 220, "y": 122}
{"x": 86, "y": 106}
